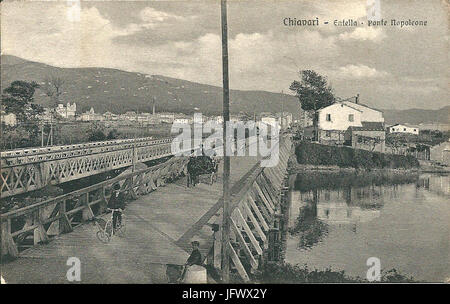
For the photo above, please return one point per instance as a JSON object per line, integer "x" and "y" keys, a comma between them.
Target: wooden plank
{"x": 258, "y": 202}
{"x": 268, "y": 194}
{"x": 244, "y": 245}
{"x": 258, "y": 213}
{"x": 248, "y": 231}
{"x": 8, "y": 246}
{"x": 263, "y": 198}
{"x": 237, "y": 263}
{"x": 255, "y": 223}
{"x": 217, "y": 249}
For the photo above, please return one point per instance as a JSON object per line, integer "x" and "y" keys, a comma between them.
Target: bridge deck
{"x": 155, "y": 222}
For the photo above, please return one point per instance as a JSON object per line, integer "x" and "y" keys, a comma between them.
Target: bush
{"x": 285, "y": 273}
{"x": 316, "y": 154}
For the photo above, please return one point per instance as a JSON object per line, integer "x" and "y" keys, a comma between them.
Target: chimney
{"x": 357, "y": 98}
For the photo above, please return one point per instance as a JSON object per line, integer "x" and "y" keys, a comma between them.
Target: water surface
{"x": 340, "y": 221}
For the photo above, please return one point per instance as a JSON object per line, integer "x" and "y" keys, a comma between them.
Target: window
{"x": 328, "y": 117}
{"x": 350, "y": 117}
{"x": 415, "y": 130}
{"x": 328, "y": 134}
{"x": 404, "y": 129}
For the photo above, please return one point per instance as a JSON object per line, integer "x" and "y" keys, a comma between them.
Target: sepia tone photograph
{"x": 225, "y": 142}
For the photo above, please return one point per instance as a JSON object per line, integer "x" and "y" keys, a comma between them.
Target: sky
{"x": 390, "y": 67}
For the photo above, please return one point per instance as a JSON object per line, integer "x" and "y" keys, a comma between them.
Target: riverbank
{"x": 285, "y": 273}
{"x": 308, "y": 153}
{"x": 295, "y": 168}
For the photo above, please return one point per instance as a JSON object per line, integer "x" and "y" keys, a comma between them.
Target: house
{"x": 367, "y": 113}
{"x": 67, "y": 111}
{"x": 91, "y": 116}
{"x": 370, "y": 136}
{"x": 183, "y": 119}
{"x": 334, "y": 120}
{"x": 441, "y": 153}
{"x": 110, "y": 116}
{"x": 284, "y": 119}
{"x": 353, "y": 124}
{"x": 404, "y": 129}
{"x": 166, "y": 117}
{"x": 270, "y": 120}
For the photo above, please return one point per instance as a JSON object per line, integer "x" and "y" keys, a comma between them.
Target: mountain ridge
{"x": 118, "y": 91}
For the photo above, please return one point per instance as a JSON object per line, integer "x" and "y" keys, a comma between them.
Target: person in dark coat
{"x": 194, "y": 259}
{"x": 117, "y": 203}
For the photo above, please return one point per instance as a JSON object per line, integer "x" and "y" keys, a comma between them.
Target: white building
{"x": 91, "y": 116}
{"x": 404, "y": 128}
{"x": 166, "y": 117}
{"x": 334, "y": 120}
{"x": 185, "y": 121}
{"x": 368, "y": 114}
{"x": 338, "y": 117}
{"x": 67, "y": 111}
{"x": 284, "y": 119}
{"x": 270, "y": 120}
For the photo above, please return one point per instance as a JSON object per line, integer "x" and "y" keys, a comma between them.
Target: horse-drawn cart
{"x": 202, "y": 169}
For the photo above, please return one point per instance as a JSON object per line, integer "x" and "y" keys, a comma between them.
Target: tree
{"x": 313, "y": 93}
{"x": 53, "y": 89}
{"x": 18, "y": 99}
{"x": 96, "y": 132}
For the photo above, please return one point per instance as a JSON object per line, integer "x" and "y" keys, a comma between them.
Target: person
{"x": 117, "y": 203}
{"x": 194, "y": 259}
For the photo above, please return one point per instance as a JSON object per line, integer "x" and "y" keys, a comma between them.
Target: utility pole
{"x": 226, "y": 157}
{"x": 134, "y": 144}
{"x": 42, "y": 133}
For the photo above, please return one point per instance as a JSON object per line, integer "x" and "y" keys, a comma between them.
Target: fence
{"x": 256, "y": 218}
{"x": 30, "y": 225}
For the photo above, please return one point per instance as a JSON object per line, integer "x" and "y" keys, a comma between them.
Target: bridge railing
{"x": 28, "y": 226}
{"x": 256, "y": 215}
{"x": 23, "y": 156}
{"x": 27, "y": 173}
{"x": 256, "y": 210}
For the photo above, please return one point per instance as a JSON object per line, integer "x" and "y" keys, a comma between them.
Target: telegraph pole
{"x": 226, "y": 163}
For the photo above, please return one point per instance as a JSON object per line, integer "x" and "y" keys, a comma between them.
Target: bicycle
{"x": 105, "y": 228}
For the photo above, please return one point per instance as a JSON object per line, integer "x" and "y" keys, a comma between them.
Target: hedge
{"x": 345, "y": 157}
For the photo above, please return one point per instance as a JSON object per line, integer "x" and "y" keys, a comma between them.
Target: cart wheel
{"x": 102, "y": 236}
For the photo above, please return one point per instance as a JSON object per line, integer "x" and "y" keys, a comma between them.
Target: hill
{"x": 417, "y": 116}
{"x": 119, "y": 91}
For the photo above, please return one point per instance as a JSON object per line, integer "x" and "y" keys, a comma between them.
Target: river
{"x": 339, "y": 222}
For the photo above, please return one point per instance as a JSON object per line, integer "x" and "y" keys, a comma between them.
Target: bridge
{"x": 161, "y": 221}
{"x": 30, "y": 169}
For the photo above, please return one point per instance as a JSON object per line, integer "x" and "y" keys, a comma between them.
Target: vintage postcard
{"x": 225, "y": 141}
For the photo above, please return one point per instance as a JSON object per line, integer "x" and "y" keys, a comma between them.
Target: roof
{"x": 369, "y": 126}
{"x": 359, "y": 105}
{"x": 343, "y": 104}
{"x": 405, "y": 124}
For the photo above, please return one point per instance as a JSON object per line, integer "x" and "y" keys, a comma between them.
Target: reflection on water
{"x": 341, "y": 220}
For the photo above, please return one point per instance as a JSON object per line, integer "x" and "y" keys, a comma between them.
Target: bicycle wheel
{"x": 102, "y": 236}
{"x": 109, "y": 228}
